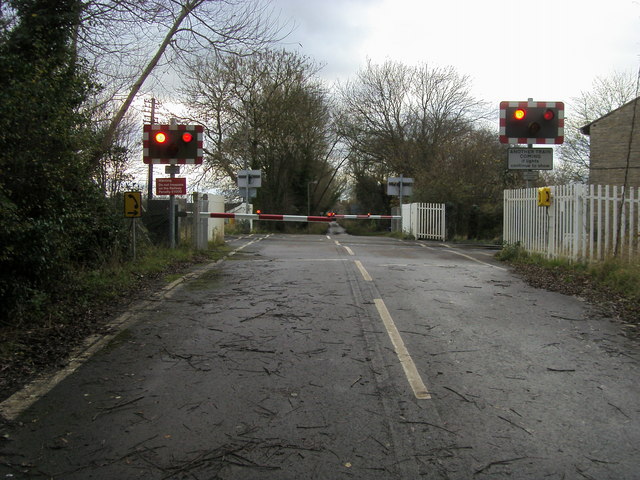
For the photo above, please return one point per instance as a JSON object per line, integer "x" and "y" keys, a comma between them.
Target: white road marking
{"x": 310, "y": 260}
{"x": 452, "y": 250}
{"x": 410, "y": 370}
{"x": 364, "y": 273}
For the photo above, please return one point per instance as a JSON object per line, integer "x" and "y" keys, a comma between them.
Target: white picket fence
{"x": 583, "y": 223}
{"x": 424, "y": 220}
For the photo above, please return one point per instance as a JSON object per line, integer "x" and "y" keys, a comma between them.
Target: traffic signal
{"x": 532, "y": 122}
{"x": 172, "y": 144}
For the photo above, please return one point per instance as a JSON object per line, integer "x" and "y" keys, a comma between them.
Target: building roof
{"x": 586, "y": 130}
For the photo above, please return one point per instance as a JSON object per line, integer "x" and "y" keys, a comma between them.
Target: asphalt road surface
{"x": 330, "y": 357}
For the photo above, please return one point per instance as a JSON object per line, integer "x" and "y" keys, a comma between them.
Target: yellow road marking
{"x": 410, "y": 370}
{"x": 364, "y": 273}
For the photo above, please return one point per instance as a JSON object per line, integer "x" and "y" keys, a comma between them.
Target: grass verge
{"x": 612, "y": 286}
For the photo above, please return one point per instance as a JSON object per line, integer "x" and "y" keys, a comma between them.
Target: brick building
{"x": 612, "y": 142}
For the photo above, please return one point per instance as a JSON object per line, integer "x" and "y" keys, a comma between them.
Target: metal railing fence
{"x": 424, "y": 220}
{"x": 583, "y": 222}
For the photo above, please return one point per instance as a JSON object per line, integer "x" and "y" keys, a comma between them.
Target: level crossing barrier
{"x": 299, "y": 218}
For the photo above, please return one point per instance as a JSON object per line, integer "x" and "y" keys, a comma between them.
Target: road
{"x": 329, "y": 357}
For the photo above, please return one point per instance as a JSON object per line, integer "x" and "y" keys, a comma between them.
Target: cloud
{"x": 512, "y": 49}
{"x": 331, "y": 32}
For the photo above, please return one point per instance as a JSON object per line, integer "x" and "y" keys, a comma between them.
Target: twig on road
{"x": 515, "y": 424}
{"x": 266, "y": 312}
{"x": 584, "y": 474}
{"x": 498, "y": 462}
{"x": 568, "y": 318}
{"x": 115, "y": 407}
{"x": 429, "y": 424}
{"x": 619, "y": 409}
{"x": 460, "y": 395}
{"x": 309, "y": 427}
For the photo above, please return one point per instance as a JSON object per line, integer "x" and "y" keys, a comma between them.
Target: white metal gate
{"x": 424, "y": 220}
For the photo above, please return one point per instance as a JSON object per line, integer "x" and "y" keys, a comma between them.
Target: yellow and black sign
{"x": 544, "y": 197}
{"x": 132, "y": 204}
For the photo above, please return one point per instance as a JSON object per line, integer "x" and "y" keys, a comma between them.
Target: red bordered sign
{"x": 532, "y": 122}
{"x": 171, "y": 186}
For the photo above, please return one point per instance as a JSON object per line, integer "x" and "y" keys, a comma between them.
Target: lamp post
{"x": 309, "y": 196}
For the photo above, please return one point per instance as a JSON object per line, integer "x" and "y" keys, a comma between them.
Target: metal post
{"x": 313, "y": 182}
{"x": 133, "y": 236}
{"x": 528, "y": 181}
{"x": 172, "y": 207}
{"x": 196, "y": 220}
{"x": 400, "y": 197}
{"x": 150, "y": 174}
{"x": 246, "y": 190}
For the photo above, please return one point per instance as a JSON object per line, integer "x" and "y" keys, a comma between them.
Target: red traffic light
{"x": 187, "y": 137}
{"x": 160, "y": 137}
{"x": 548, "y": 115}
{"x": 519, "y": 113}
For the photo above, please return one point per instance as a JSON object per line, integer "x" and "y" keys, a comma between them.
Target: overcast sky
{"x": 512, "y": 49}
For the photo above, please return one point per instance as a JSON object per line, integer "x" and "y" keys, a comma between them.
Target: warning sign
{"x": 171, "y": 186}
{"x": 132, "y": 204}
{"x": 531, "y": 158}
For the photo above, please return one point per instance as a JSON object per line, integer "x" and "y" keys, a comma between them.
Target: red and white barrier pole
{"x": 299, "y": 218}
{"x": 367, "y": 217}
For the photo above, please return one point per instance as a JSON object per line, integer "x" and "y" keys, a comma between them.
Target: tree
{"x": 607, "y": 94}
{"x": 396, "y": 119}
{"x": 186, "y": 28}
{"x": 469, "y": 175}
{"x": 52, "y": 216}
{"x": 266, "y": 111}
{"x": 113, "y": 173}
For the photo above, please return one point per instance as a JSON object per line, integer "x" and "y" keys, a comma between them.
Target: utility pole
{"x": 152, "y": 121}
